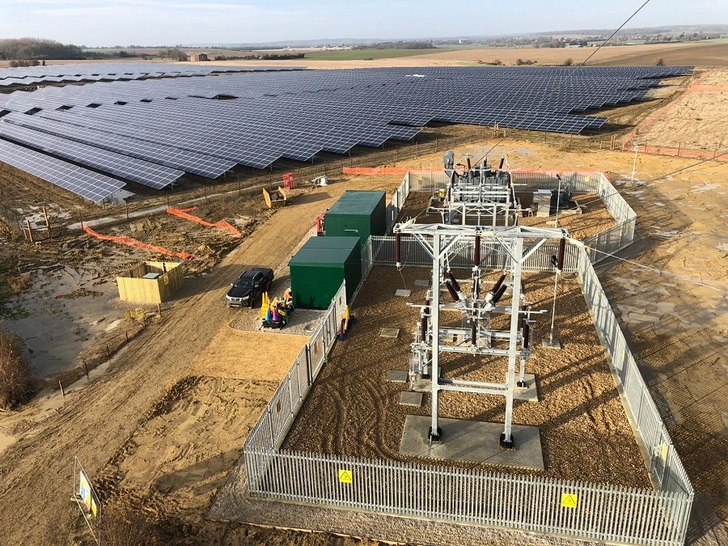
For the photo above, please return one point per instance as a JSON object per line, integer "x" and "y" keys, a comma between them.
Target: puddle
{"x": 62, "y": 313}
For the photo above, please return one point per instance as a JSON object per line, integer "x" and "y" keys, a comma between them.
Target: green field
{"x": 370, "y": 54}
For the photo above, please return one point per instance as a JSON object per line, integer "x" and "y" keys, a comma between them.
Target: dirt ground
{"x": 162, "y": 424}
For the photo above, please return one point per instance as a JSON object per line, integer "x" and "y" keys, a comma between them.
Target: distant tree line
{"x": 28, "y": 50}
{"x": 114, "y": 54}
{"x": 174, "y": 54}
{"x": 399, "y": 45}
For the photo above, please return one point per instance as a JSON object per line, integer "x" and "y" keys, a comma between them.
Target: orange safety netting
{"x": 375, "y": 170}
{"x": 183, "y": 213}
{"x": 129, "y": 241}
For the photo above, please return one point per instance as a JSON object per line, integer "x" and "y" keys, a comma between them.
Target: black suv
{"x": 249, "y": 287}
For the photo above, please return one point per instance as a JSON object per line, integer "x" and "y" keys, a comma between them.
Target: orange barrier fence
{"x": 717, "y": 155}
{"x": 129, "y": 241}
{"x": 222, "y": 224}
{"x": 375, "y": 170}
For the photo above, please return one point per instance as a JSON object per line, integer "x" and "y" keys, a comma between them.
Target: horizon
{"x": 182, "y": 22}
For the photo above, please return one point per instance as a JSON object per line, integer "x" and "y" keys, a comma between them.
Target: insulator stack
{"x": 476, "y": 288}
{"x": 473, "y": 331}
{"x": 526, "y": 333}
{"x": 502, "y": 161}
{"x": 498, "y": 284}
{"x": 452, "y": 291}
{"x": 423, "y": 331}
{"x": 560, "y": 260}
{"x": 477, "y": 251}
{"x": 468, "y": 162}
{"x": 397, "y": 248}
{"x": 455, "y": 283}
{"x": 499, "y": 294}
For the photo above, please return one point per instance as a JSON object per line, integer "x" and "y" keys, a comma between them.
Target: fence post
{"x": 270, "y": 427}
{"x": 309, "y": 369}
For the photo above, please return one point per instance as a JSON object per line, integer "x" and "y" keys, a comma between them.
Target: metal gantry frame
{"x": 440, "y": 240}
{"x": 479, "y": 193}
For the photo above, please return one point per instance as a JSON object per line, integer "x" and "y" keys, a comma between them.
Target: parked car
{"x": 249, "y": 286}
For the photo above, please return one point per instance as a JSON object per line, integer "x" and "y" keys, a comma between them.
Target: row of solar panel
{"x": 88, "y": 184}
{"x": 94, "y": 70}
{"x": 137, "y": 170}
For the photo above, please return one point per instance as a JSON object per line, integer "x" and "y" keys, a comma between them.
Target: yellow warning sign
{"x": 569, "y": 500}
{"x": 665, "y": 450}
{"x": 346, "y": 476}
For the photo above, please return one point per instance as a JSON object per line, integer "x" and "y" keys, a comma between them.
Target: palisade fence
{"x": 601, "y": 512}
{"x": 278, "y": 416}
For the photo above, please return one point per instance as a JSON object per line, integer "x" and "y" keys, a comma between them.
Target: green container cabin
{"x": 319, "y": 268}
{"x": 359, "y": 214}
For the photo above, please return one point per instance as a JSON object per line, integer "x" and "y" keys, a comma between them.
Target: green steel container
{"x": 319, "y": 268}
{"x": 359, "y": 214}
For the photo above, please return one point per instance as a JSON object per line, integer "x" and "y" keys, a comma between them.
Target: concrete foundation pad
{"x": 409, "y": 398}
{"x": 472, "y": 441}
{"x": 551, "y": 344}
{"x": 397, "y": 376}
{"x": 402, "y": 292}
{"x": 528, "y": 392}
{"x": 422, "y": 282}
{"x": 422, "y": 385}
{"x": 389, "y": 332}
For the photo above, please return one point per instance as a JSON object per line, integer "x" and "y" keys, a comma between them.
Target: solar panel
{"x": 88, "y": 184}
{"x": 137, "y": 170}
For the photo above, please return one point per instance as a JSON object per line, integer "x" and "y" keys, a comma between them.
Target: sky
{"x": 172, "y": 22}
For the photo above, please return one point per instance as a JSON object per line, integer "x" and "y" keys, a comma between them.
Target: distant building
{"x": 199, "y": 57}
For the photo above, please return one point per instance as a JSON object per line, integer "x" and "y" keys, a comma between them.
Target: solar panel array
{"x": 68, "y": 73}
{"x": 137, "y": 170}
{"x": 83, "y": 182}
{"x": 205, "y": 125}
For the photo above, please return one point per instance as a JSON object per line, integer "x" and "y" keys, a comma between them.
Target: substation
{"x": 446, "y": 395}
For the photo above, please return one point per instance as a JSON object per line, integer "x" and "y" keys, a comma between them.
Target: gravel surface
{"x": 351, "y": 410}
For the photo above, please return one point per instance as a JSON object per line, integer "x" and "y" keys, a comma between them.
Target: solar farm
{"x": 158, "y": 127}
{"x": 572, "y": 399}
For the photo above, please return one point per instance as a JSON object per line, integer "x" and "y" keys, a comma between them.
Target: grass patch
{"x": 16, "y": 377}
{"x": 369, "y": 54}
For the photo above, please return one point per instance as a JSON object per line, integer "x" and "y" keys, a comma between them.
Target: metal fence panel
{"x": 594, "y": 512}
{"x": 649, "y": 425}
